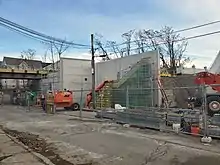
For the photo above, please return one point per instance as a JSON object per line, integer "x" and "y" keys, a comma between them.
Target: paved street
{"x": 96, "y": 143}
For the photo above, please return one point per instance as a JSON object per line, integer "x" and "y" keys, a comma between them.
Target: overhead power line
{"x": 40, "y": 39}
{"x": 24, "y": 33}
{"x": 7, "y": 22}
{"x": 177, "y": 31}
{"x": 197, "y": 26}
{"x": 183, "y": 39}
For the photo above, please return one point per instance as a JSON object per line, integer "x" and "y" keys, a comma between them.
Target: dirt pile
{"x": 40, "y": 146}
{"x": 180, "y": 87}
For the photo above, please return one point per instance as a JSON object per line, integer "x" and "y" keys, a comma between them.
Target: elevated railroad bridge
{"x": 22, "y": 74}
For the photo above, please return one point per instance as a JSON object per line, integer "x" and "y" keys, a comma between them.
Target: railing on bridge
{"x": 20, "y": 71}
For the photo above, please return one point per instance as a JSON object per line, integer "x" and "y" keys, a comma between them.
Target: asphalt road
{"x": 97, "y": 143}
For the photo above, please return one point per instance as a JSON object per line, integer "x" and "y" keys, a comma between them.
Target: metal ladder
{"x": 163, "y": 93}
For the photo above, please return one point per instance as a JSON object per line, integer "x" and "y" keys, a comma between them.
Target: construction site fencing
{"x": 133, "y": 98}
{"x": 176, "y": 110}
{"x": 167, "y": 109}
{"x": 212, "y": 110}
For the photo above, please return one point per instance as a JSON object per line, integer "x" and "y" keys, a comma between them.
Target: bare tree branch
{"x": 28, "y": 54}
{"x": 60, "y": 48}
{"x": 140, "y": 41}
{"x": 51, "y": 57}
{"x": 45, "y": 55}
{"x": 170, "y": 45}
{"x": 101, "y": 47}
{"x": 127, "y": 37}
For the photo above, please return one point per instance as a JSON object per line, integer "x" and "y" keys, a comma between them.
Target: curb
{"x": 36, "y": 155}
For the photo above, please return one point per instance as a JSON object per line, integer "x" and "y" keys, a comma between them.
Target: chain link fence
{"x": 190, "y": 110}
{"x": 181, "y": 109}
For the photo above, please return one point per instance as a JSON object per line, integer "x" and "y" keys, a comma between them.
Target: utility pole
{"x": 93, "y": 72}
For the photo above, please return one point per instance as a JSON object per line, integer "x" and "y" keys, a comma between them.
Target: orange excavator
{"x": 213, "y": 99}
{"x": 98, "y": 88}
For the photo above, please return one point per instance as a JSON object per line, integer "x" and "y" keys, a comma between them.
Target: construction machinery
{"x": 212, "y": 99}
{"x": 98, "y": 88}
{"x": 64, "y": 99}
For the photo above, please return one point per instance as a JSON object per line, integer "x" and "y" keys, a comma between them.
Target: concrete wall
{"x": 73, "y": 74}
{"x": 109, "y": 69}
{"x": 53, "y": 80}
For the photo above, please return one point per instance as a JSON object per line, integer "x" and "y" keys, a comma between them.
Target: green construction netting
{"x": 136, "y": 90}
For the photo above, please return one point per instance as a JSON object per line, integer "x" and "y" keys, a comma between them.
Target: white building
{"x": 192, "y": 70}
{"x": 72, "y": 74}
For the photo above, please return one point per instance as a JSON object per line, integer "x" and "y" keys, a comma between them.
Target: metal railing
{"x": 27, "y": 71}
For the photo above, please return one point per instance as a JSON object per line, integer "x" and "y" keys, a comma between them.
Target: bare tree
{"x": 28, "y": 54}
{"x": 101, "y": 47}
{"x": 127, "y": 37}
{"x": 171, "y": 47}
{"x": 140, "y": 41}
{"x": 60, "y": 48}
{"x": 152, "y": 43}
{"x": 44, "y": 56}
{"x": 115, "y": 48}
{"x": 52, "y": 55}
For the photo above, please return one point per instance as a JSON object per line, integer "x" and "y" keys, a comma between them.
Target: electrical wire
{"x": 183, "y": 39}
{"x": 2, "y": 20}
{"x": 197, "y": 26}
{"x": 42, "y": 40}
{"x": 177, "y": 31}
{"x": 25, "y": 34}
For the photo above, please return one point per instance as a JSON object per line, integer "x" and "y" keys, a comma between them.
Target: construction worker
{"x": 43, "y": 102}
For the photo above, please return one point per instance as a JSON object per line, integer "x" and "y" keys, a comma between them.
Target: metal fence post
{"x": 81, "y": 100}
{"x": 205, "y": 111}
{"x": 28, "y": 101}
{"x": 127, "y": 98}
{"x": 127, "y": 105}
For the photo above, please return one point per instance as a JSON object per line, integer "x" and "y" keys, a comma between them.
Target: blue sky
{"x": 75, "y": 20}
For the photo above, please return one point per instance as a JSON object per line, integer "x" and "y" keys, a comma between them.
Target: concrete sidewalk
{"x": 12, "y": 153}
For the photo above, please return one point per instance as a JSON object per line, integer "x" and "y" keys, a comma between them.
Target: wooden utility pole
{"x": 93, "y": 72}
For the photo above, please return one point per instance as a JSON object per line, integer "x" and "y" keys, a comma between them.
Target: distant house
{"x": 21, "y": 64}
{"x": 18, "y": 63}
